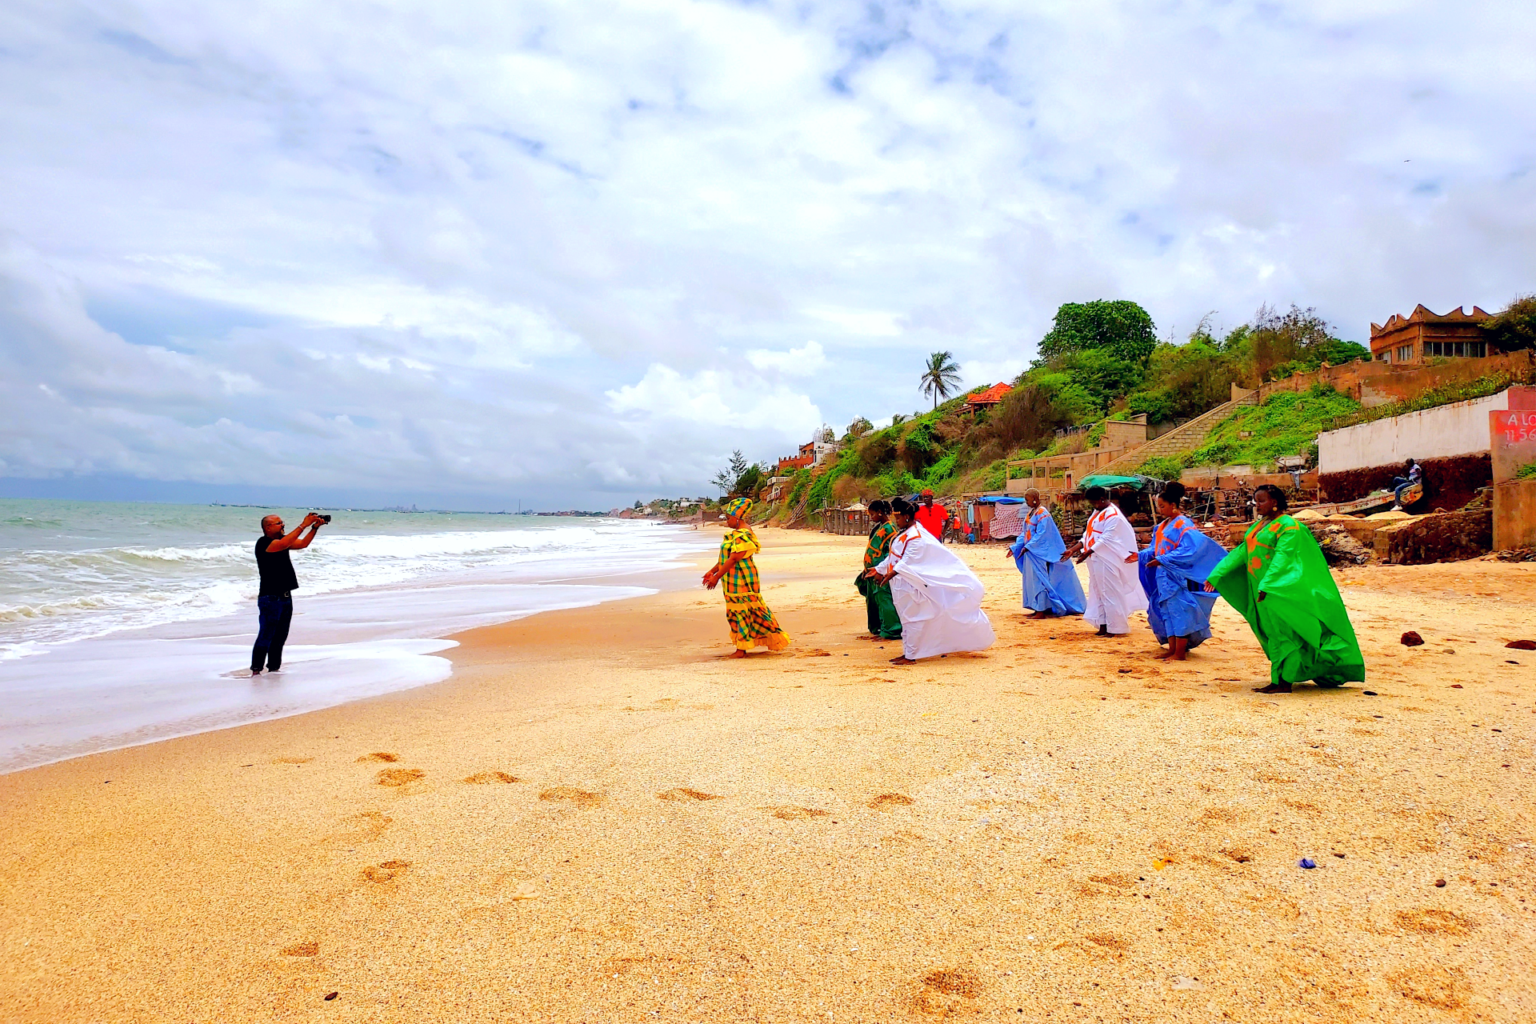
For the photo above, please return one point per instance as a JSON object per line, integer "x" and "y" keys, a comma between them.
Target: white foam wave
{"x": 56, "y": 596}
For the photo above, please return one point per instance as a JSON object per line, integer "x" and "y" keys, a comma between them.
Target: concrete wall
{"x": 1373, "y": 383}
{"x": 1460, "y": 428}
{"x": 1514, "y": 515}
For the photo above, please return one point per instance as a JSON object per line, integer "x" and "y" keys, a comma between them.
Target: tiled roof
{"x": 991, "y": 396}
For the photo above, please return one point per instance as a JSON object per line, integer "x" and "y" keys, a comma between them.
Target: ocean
{"x": 124, "y": 623}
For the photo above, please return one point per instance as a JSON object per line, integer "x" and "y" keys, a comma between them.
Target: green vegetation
{"x": 941, "y": 377}
{"x": 741, "y": 477}
{"x": 1285, "y": 424}
{"x": 1515, "y": 327}
{"x": 1526, "y": 472}
{"x": 1100, "y": 361}
{"x": 1119, "y": 329}
{"x": 1463, "y": 391}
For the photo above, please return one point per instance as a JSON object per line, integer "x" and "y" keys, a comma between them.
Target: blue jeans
{"x": 276, "y": 615}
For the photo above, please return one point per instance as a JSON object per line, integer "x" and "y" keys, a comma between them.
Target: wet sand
{"x": 598, "y": 818}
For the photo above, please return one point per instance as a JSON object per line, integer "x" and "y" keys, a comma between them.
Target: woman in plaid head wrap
{"x": 751, "y": 621}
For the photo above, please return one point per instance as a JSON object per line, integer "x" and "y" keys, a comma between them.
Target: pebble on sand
{"x": 1412, "y": 639}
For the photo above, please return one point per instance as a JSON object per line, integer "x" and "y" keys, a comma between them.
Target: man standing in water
{"x": 275, "y": 601}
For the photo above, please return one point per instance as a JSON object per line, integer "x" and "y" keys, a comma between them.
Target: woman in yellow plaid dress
{"x": 751, "y": 621}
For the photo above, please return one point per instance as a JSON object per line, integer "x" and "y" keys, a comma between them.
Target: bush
{"x": 1163, "y": 467}
{"x": 1515, "y": 327}
{"x": 1286, "y": 424}
{"x": 1120, "y": 328}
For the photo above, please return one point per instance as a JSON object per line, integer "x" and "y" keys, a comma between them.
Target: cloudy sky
{"x": 469, "y": 254}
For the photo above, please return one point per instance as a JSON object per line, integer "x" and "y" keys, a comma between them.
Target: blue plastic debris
{"x": 1308, "y": 863}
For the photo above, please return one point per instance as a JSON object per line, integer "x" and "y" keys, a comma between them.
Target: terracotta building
{"x": 986, "y": 398}
{"x": 1424, "y": 335}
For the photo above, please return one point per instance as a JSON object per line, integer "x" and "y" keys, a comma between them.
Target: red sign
{"x": 1516, "y": 425}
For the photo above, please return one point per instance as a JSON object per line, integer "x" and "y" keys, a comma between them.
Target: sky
{"x": 482, "y": 255}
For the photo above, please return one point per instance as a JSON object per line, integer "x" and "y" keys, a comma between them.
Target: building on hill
{"x": 812, "y": 453}
{"x": 1424, "y": 334}
{"x": 986, "y": 398}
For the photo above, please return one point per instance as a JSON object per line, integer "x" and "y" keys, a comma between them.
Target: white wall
{"x": 1457, "y": 429}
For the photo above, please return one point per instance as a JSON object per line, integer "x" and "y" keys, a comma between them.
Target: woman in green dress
{"x": 751, "y": 621}
{"x": 1278, "y": 579}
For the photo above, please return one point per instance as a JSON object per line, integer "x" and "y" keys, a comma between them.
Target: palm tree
{"x": 942, "y": 376}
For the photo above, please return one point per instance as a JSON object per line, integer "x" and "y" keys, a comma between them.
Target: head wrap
{"x": 738, "y": 507}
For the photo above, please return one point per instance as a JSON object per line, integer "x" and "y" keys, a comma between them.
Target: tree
{"x": 824, "y": 435}
{"x": 1120, "y": 326}
{"x": 1515, "y": 327}
{"x": 727, "y": 478}
{"x": 941, "y": 378}
{"x": 859, "y": 427}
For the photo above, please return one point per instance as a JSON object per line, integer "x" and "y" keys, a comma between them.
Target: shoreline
{"x": 347, "y": 646}
{"x": 599, "y": 817}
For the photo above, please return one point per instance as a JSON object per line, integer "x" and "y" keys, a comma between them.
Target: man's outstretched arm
{"x": 293, "y": 541}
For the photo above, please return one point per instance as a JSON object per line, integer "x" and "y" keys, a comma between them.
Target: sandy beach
{"x": 598, "y": 818}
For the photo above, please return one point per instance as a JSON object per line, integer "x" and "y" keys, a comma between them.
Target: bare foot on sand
{"x": 738, "y": 653}
{"x": 1041, "y": 615}
{"x": 1273, "y": 688}
{"x": 903, "y": 660}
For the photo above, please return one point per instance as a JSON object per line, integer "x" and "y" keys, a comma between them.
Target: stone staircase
{"x": 1185, "y": 437}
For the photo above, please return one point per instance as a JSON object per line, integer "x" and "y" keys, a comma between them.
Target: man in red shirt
{"x": 931, "y": 517}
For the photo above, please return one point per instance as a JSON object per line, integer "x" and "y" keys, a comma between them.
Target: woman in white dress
{"x": 936, "y": 594}
{"x": 1114, "y": 577}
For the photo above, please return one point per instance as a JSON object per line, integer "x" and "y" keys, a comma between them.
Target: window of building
{"x": 1404, "y": 354}
{"x": 1461, "y": 349}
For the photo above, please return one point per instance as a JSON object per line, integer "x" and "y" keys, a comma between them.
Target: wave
{"x": 53, "y": 596}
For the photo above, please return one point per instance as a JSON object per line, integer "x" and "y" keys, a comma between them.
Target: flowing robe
{"x": 1050, "y": 585}
{"x": 1277, "y": 577}
{"x": 750, "y": 619}
{"x": 1114, "y": 586}
{"x": 1177, "y": 601}
{"x": 937, "y": 597}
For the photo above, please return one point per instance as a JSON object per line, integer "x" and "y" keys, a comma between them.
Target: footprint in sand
{"x": 362, "y": 828}
{"x": 1433, "y": 922}
{"x": 303, "y": 949}
{"x": 791, "y": 813}
{"x": 292, "y": 760}
{"x": 488, "y": 778}
{"x": 1440, "y": 987}
{"x": 381, "y": 755}
{"x": 948, "y": 993}
{"x": 569, "y": 794}
{"x": 400, "y": 776}
{"x": 885, "y": 801}
{"x": 684, "y": 793}
{"x": 386, "y": 871}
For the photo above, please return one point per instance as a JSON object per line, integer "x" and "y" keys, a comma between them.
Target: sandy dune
{"x": 599, "y": 819}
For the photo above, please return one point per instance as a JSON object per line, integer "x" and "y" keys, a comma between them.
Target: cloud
{"x": 711, "y": 398}
{"x": 462, "y": 248}
{"x": 805, "y": 361}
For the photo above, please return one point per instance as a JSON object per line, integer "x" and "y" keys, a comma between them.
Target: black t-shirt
{"x": 276, "y": 569}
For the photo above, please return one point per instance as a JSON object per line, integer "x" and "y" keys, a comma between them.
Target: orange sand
{"x": 600, "y": 819}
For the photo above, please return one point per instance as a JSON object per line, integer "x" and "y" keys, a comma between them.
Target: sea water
{"x": 126, "y": 623}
